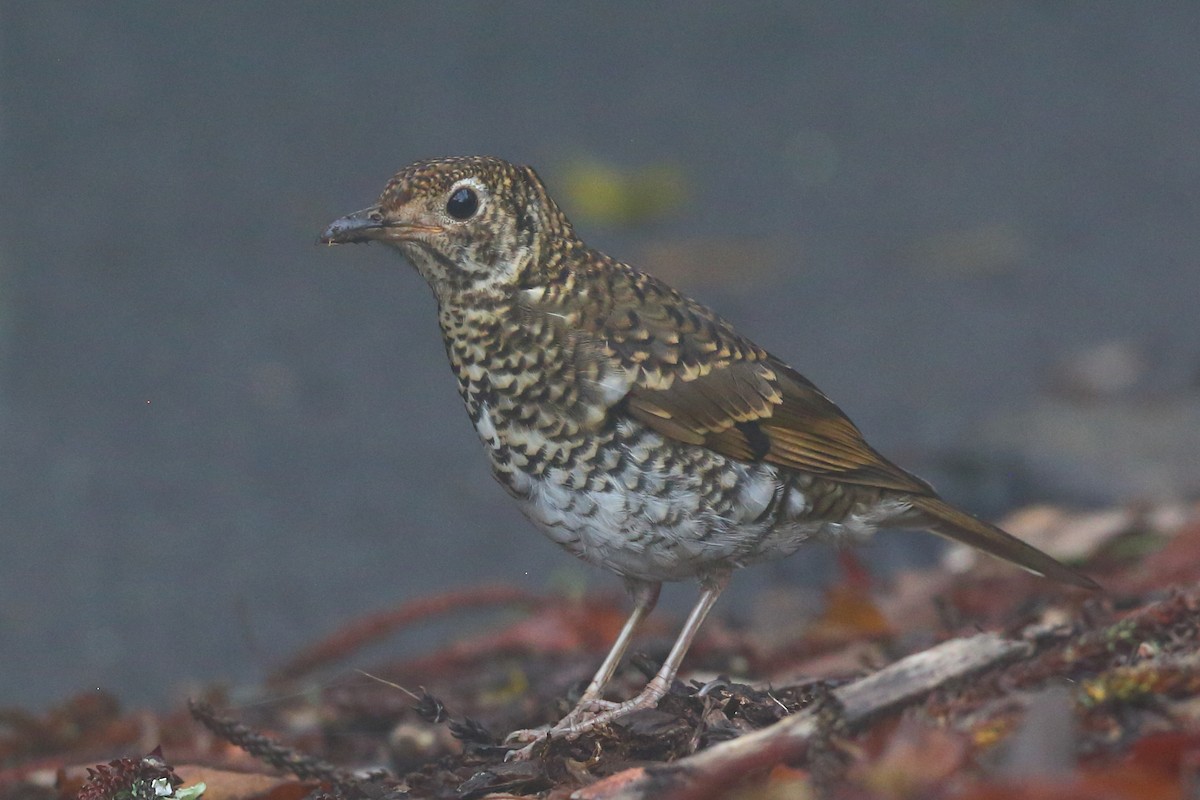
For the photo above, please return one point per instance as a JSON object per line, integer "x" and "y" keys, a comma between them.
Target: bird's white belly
{"x": 664, "y": 532}
{"x": 664, "y": 522}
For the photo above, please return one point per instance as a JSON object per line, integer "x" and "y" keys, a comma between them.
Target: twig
{"x": 271, "y": 752}
{"x": 711, "y": 773}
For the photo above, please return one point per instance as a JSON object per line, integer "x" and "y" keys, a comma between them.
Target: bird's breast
{"x": 609, "y": 489}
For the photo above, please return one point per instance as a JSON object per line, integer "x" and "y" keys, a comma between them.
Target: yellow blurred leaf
{"x": 608, "y": 195}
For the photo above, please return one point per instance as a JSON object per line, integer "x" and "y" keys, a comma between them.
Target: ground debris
{"x": 986, "y": 683}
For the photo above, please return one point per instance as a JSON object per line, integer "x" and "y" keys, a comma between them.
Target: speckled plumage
{"x": 634, "y": 426}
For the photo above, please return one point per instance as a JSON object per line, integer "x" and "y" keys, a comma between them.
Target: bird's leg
{"x": 572, "y": 725}
{"x": 661, "y": 682}
{"x": 645, "y": 597}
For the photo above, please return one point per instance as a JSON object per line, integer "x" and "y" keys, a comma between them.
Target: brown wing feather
{"x": 698, "y": 381}
{"x": 786, "y": 421}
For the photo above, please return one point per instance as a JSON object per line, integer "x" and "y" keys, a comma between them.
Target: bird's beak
{"x": 361, "y": 226}
{"x": 371, "y": 224}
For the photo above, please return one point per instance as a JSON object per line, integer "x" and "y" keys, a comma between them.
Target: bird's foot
{"x": 584, "y": 717}
{"x": 586, "y": 707}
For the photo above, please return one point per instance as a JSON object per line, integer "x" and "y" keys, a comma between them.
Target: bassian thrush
{"x": 634, "y": 426}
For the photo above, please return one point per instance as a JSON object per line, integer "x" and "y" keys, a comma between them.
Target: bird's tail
{"x": 946, "y": 520}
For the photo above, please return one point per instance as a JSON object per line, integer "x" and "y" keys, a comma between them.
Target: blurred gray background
{"x": 973, "y": 224}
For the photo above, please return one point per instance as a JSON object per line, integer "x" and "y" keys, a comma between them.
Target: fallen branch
{"x": 713, "y": 772}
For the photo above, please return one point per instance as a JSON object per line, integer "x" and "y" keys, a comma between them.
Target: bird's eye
{"x": 463, "y": 203}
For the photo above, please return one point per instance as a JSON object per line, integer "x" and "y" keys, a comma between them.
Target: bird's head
{"x": 466, "y": 224}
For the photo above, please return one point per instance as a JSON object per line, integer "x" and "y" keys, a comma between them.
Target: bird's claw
{"x": 527, "y": 736}
{"x": 590, "y": 713}
{"x": 525, "y": 741}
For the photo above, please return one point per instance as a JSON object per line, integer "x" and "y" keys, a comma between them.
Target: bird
{"x": 633, "y": 425}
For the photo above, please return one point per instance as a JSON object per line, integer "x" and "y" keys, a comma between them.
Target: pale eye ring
{"x": 462, "y": 203}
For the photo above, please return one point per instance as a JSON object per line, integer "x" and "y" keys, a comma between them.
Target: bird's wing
{"x": 692, "y": 378}
{"x": 765, "y": 411}
{"x": 696, "y": 380}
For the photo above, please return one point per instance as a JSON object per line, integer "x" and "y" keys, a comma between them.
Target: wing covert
{"x": 696, "y": 380}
